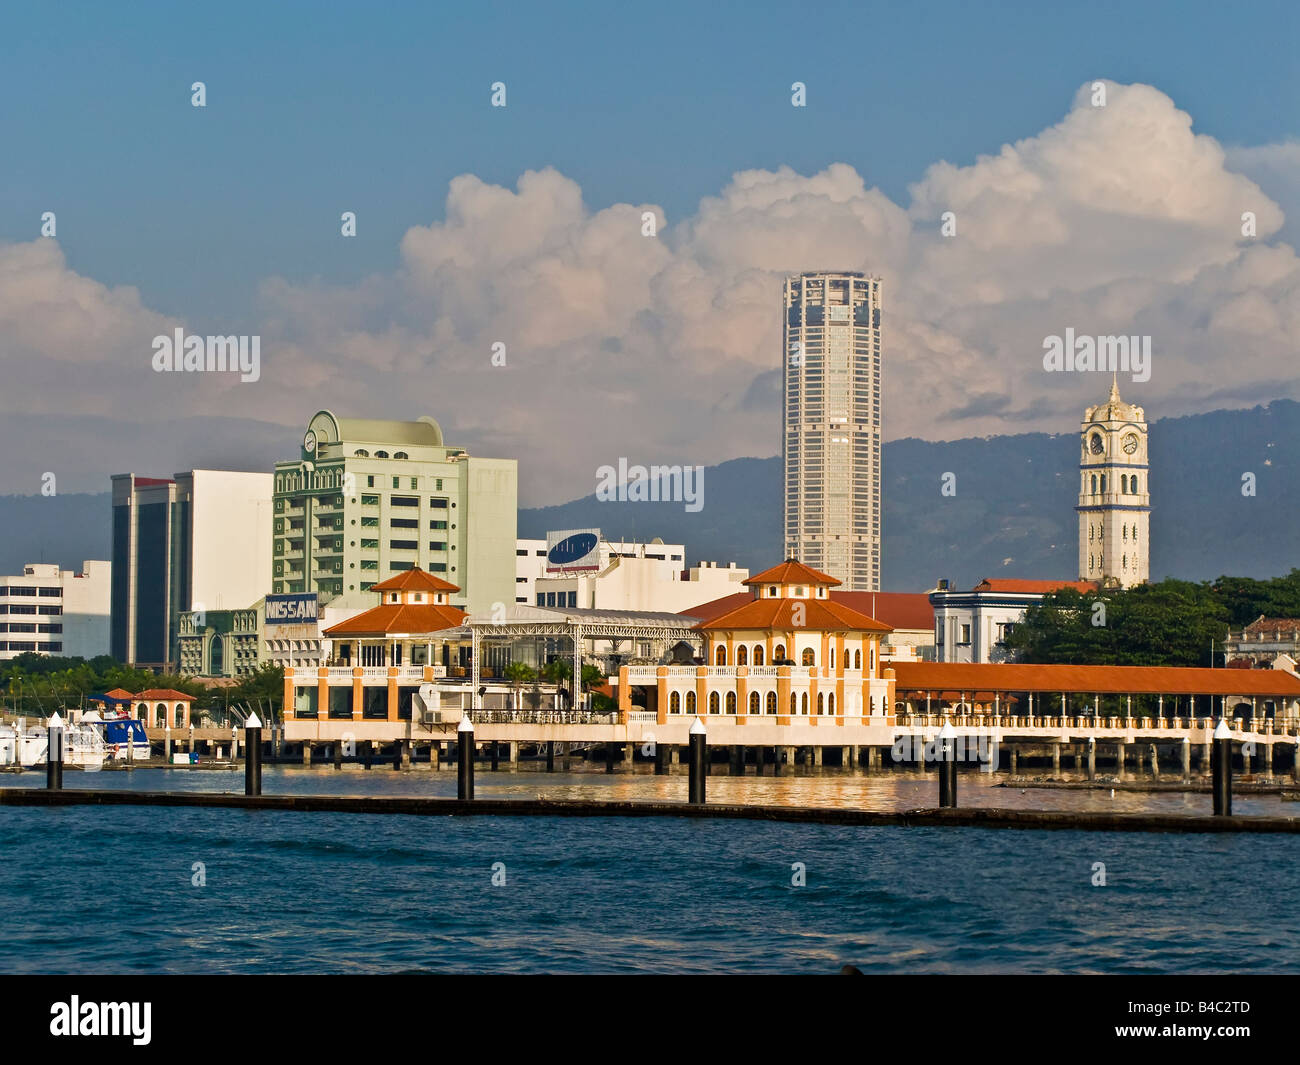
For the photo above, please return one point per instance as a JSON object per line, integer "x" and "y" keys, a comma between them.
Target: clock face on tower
{"x": 309, "y": 442}
{"x": 1130, "y": 443}
{"x": 1095, "y": 445}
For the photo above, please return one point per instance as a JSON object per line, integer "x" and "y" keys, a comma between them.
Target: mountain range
{"x": 1011, "y": 514}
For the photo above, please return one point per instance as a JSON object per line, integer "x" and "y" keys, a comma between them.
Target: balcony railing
{"x": 543, "y": 717}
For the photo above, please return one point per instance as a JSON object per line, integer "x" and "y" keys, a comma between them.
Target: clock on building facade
{"x": 1114, "y": 497}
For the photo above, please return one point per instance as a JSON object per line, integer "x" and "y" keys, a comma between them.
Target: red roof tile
{"x": 399, "y": 617}
{"x": 1153, "y": 680}
{"x": 898, "y": 610}
{"x": 819, "y": 615}
{"x": 791, "y": 571}
{"x": 166, "y": 694}
{"x": 414, "y": 580}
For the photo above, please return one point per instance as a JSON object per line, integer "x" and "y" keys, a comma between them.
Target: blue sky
{"x": 318, "y": 108}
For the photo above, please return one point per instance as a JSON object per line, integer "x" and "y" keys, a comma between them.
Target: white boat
{"x": 83, "y": 747}
{"x": 124, "y": 737}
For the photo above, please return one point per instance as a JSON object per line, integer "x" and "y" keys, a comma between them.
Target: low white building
{"x": 971, "y": 626}
{"x": 51, "y": 611}
{"x": 579, "y": 570}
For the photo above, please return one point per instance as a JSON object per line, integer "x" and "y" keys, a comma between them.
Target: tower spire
{"x": 1114, "y": 386}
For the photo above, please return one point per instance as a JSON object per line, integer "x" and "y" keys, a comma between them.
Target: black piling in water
{"x": 496, "y": 755}
{"x": 661, "y": 759}
{"x": 338, "y": 754}
{"x": 758, "y": 761}
{"x": 609, "y": 758}
{"x": 253, "y": 756}
{"x": 736, "y": 761}
{"x": 947, "y": 766}
{"x": 53, "y": 754}
{"x": 465, "y": 760}
{"x": 550, "y": 756}
{"x": 699, "y": 766}
{"x": 1221, "y": 768}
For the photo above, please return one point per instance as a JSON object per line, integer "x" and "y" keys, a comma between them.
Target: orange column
{"x": 624, "y": 696}
{"x": 322, "y": 693}
{"x": 742, "y": 693}
{"x": 702, "y": 689}
{"x": 783, "y": 695}
{"x": 813, "y": 688}
{"x": 290, "y": 703}
{"x": 358, "y": 695}
{"x": 662, "y": 691}
{"x": 392, "y": 693}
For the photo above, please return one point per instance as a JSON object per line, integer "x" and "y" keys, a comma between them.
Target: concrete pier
{"x": 1056, "y": 759}
{"x": 1121, "y": 751}
{"x": 736, "y": 760}
{"x": 306, "y": 754}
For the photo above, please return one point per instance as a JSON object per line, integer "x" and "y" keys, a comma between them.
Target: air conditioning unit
{"x": 432, "y": 717}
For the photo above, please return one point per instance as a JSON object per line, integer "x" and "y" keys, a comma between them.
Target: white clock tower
{"x": 1114, "y": 504}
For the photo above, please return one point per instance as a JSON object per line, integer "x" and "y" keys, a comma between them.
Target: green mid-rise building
{"x": 370, "y": 498}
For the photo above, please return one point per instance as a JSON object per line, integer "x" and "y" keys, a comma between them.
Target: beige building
{"x": 1114, "y": 501}
{"x": 832, "y": 427}
{"x": 366, "y": 500}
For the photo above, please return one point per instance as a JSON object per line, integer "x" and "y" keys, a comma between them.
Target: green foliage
{"x": 38, "y": 684}
{"x": 519, "y": 674}
{"x": 1247, "y": 599}
{"x": 1170, "y": 623}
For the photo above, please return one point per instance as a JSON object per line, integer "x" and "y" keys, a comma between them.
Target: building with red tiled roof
{"x": 382, "y": 655}
{"x": 787, "y": 651}
{"x": 1263, "y": 642}
{"x": 971, "y": 626}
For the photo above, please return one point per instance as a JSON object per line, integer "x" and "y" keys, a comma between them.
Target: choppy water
{"x": 111, "y": 890}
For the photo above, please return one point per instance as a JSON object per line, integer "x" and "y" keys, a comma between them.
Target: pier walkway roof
{"x": 1124, "y": 680}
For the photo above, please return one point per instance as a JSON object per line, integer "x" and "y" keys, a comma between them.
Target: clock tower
{"x": 1114, "y": 505}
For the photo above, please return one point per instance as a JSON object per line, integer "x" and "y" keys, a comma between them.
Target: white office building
{"x": 832, "y": 425}
{"x": 51, "y": 611}
{"x": 971, "y": 626}
{"x": 578, "y": 569}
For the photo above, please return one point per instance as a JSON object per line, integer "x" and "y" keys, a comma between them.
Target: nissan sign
{"x": 297, "y": 609}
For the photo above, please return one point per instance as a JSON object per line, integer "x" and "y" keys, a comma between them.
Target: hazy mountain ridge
{"x": 1014, "y": 500}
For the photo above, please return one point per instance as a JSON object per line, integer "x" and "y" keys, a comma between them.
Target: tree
{"x": 519, "y": 674}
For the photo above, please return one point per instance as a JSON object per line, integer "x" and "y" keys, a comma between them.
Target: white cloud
{"x": 1116, "y": 219}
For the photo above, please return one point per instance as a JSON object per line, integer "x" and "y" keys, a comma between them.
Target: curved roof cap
{"x": 425, "y": 431}
{"x": 1115, "y": 409}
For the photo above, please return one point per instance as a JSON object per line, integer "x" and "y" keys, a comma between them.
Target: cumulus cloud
{"x": 666, "y": 348}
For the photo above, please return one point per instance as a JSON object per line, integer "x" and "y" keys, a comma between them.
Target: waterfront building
{"x": 382, "y": 655}
{"x": 789, "y": 654}
{"x": 198, "y": 542}
{"x": 368, "y": 499}
{"x": 832, "y": 425}
{"x": 1114, "y": 500}
{"x": 578, "y": 568}
{"x": 155, "y": 707}
{"x": 46, "y": 610}
{"x": 909, "y": 615}
{"x": 971, "y": 626}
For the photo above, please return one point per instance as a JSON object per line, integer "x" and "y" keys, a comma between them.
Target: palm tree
{"x": 519, "y": 674}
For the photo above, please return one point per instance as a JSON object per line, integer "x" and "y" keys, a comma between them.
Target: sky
{"x": 522, "y": 225}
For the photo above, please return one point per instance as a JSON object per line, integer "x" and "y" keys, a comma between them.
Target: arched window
{"x": 1094, "y": 484}
{"x": 675, "y": 703}
{"x": 162, "y": 715}
{"x": 758, "y": 654}
{"x": 832, "y": 658}
{"x": 808, "y": 657}
{"x": 803, "y": 704}
{"x": 1089, "y": 562}
{"x": 1133, "y": 483}
{"x": 755, "y": 703}
{"x": 720, "y": 655}
{"x": 731, "y": 702}
{"x": 1123, "y": 483}
{"x": 361, "y": 453}
{"x": 179, "y": 716}
{"x": 401, "y": 455}
{"x": 1125, "y": 562}
{"x": 690, "y": 702}
{"x": 381, "y": 454}
{"x": 873, "y": 657}
{"x": 857, "y": 659}
{"x": 821, "y": 703}
{"x": 1135, "y": 534}
{"x": 771, "y": 702}
{"x": 742, "y": 655}
{"x": 1123, "y": 532}
{"x": 830, "y": 704}
{"x": 1103, "y": 482}
{"x": 778, "y": 653}
{"x": 794, "y": 703}
{"x": 713, "y": 702}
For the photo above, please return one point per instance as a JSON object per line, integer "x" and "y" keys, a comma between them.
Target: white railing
{"x": 374, "y": 671}
{"x": 642, "y": 717}
{"x": 763, "y": 671}
{"x": 338, "y": 671}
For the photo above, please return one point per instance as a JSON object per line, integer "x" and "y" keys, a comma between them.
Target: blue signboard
{"x": 575, "y": 549}
{"x": 298, "y": 608}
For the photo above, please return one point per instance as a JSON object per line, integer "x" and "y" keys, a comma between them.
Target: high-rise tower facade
{"x": 832, "y": 425}
{"x": 1114, "y": 501}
